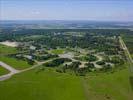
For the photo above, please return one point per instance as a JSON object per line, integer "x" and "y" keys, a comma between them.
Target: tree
{"x": 31, "y": 62}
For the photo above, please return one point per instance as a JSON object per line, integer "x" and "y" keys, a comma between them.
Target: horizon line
{"x": 63, "y": 20}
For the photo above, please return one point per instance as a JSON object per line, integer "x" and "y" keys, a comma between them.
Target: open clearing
{"x": 57, "y": 51}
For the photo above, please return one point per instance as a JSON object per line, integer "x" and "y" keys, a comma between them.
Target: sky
{"x": 98, "y": 10}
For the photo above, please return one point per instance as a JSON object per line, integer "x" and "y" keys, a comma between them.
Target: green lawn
{"x": 3, "y": 71}
{"x": 57, "y": 51}
{"x": 115, "y": 86}
{"x": 18, "y": 64}
{"x": 7, "y": 50}
{"x": 46, "y": 85}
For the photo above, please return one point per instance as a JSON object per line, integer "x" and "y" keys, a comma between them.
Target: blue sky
{"x": 99, "y": 10}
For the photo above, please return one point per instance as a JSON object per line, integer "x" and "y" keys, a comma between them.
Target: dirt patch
{"x": 8, "y": 43}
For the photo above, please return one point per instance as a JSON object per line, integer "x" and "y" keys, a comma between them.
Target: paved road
{"x": 11, "y": 69}
{"x": 38, "y": 64}
{"x": 127, "y": 53}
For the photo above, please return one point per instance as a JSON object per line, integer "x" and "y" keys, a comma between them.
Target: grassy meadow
{"x": 18, "y": 64}
{"x": 7, "y": 50}
{"x": 45, "y": 85}
{"x": 3, "y": 71}
{"x": 115, "y": 86}
{"x": 57, "y": 51}
{"x": 50, "y": 85}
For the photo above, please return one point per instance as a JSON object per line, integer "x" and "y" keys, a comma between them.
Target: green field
{"x": 114, "y": 86}
{"x": 3, "y": 71}
{"x": 57, "y": 51}
{"x": 7, "y": 49}
{"x": 49, "y": 85}
{"x": 18, "y": 64}
{"x": 46, "y": 85}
